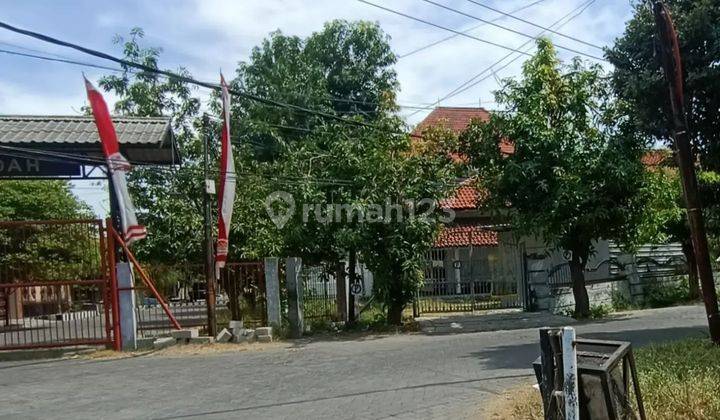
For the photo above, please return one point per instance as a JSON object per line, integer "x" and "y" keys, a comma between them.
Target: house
{"x": 478, "y": 263}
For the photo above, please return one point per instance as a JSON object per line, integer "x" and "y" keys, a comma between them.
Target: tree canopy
{"x": 638, "y": 77}
{"x": 19, "y": 201}
{"x": 346, "y": 70}
{"x": 576, "y": 174}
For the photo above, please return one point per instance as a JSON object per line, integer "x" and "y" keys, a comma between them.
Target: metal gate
{"x": 319, "y": 294}
{"x": 54, "y": 284}
{"x": 471, "y": 279}
{"x": 244, "y": 284}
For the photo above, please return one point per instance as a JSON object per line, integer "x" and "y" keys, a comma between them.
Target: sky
{"x": 206, "y": 36}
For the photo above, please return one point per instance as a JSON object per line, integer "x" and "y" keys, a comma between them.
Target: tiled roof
{"x": 25, "y": 129}
{"x": 466, "y": 235}
{"x": 457, "y": 119}
{"x": 658, "y": 157}
{"x": 465, "y": 197}
{"x": 454, "y": 118}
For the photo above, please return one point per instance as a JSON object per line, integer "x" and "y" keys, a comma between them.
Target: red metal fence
{"x": 54, "y": 284}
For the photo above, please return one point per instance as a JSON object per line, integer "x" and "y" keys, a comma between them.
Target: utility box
{"x": 605, "y": 370}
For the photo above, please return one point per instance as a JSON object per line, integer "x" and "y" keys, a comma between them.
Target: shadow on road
{"x": 521, "y": 356}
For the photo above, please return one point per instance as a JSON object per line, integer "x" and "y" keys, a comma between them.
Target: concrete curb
{"x": 39, "y": 354}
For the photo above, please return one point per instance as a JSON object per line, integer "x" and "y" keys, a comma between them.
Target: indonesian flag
{"x": 116, "y": 163}
{"x": 226, "y": 196}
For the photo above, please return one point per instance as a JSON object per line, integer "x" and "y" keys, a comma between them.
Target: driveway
{"x": 400, "y": 376}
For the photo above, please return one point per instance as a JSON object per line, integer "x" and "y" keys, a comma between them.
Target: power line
{"x": 447, "y": 38}
{"x": 442, "y": 6}
{"x": 510, "y": 15}
{"x": 42, "y": 155}
{"x": 427, "y": 22}
{"x": 190, "y": 80}
{"x": 59, "y": 60}
{"x": 473, "y": 82}
{"x": 559, "y": 23}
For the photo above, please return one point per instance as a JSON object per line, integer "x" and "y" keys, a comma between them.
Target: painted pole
{"x": 570, "y": 376}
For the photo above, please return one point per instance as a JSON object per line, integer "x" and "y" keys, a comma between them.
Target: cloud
{"x": 208, "y": 35}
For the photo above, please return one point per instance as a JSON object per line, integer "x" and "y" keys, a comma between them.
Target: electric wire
{"x": 447, "y": 38}
{"x": 485, "y": 41}
{"x": 559, "y": 46}
{"x": 468, "y": 84}
{"x": 547, "y": 29}
{"x": 190, "y": 80}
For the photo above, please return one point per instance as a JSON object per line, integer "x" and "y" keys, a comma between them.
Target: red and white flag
{"x": 116, "y": 163}
{"x": 226, "y": 196}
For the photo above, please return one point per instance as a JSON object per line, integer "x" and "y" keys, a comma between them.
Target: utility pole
{"x": 672, "y": 65}
{"x": 209, "y": 188}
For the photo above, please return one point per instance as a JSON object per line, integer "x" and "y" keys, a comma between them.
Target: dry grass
{"x": 679, "y": 380}
{"x": 521, "y": 403}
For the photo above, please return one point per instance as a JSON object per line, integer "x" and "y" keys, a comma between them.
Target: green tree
{"x": 676, "y": 227}
{"x": 413, "y": 175}
{"x": 346, "y": 70}
{"x": 19, "y": 201}
{"x": 638, "y": 77}
{"x": 168, "y": 202}
{"x": 575, "y": 175}
{"x": 46, "y": 252}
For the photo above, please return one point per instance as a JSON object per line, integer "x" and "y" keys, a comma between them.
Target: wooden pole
{"x": 672, "y": 65}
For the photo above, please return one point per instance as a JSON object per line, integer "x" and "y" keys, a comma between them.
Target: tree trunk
{"x": 577, "y": 275}
{"x": 395, "y": 311}
{"x": 693, "y": 284}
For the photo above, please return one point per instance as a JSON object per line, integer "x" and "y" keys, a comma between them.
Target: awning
{"x": 142, "y": 140}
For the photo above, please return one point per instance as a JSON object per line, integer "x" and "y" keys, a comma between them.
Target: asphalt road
{"x": 401, "y": 376}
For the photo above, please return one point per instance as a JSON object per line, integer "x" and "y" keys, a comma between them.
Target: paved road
{"x": 403, "y": 376}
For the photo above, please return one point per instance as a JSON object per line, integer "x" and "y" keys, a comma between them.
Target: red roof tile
{"x": 465, "y": 197}
{"x": 454, "y": 118}
{"x": 657, "y": 157}
{"x": 466, "y": 235}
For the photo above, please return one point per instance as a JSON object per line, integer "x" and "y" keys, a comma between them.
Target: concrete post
{"x": 341, "y": 288}
{"x": 293, "y": 268}
{"x": 126, "y": 303}
{"x": 272, "y": 293}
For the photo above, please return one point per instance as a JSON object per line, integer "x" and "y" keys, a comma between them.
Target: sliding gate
{"x": 54, "y": 284}
{"x": 469, "y": 280}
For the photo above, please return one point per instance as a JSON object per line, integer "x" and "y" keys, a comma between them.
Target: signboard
{"x": 18, "y": 167}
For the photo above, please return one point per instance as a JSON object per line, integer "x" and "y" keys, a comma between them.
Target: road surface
{"x": 400, "y": 376}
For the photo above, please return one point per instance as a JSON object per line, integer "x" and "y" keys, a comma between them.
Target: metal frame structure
{"x": 597, "y": 358}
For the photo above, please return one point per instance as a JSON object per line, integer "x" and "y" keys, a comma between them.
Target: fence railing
{"x": 53, "y": 284}
{"x": 152, "y": 320}
{"x": 605, "y": 271}
{"x": 240, "y": 294}
{"x": 468, "y": 295}
{"x": 319, "y": 296}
